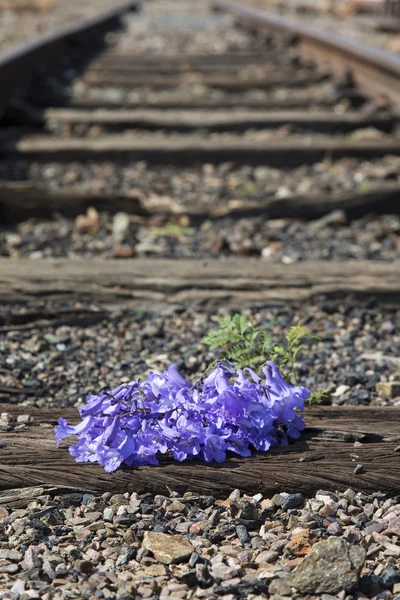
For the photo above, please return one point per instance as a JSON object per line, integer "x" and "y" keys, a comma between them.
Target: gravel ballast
{"x": 128, "y": 546}
{"x": 359, "y": 348}
{"x": 25, "y": 20}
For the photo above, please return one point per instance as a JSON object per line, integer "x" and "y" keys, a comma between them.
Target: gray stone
{"x": 18, "y": 587}
{"x": 334, "y": 529}
{"x": 292, "y": 501}
{"x": 389, "y": 576}
{"x": 268, "y": 556}
{"x": 167, "y": 549}
{"x": 224, "y": 572}
{"x": 8, "y": 568}
{"x": 12, "y": 555}
{"x": 394, "y": 525}
{"x": 31, "y": 558}
{"x": 246, "y": 556}
{"x": 108, "y": 513}
{"x": 277, "y": 500}
{"x": 331, "y": 566}
{"x": 280, "y": 587}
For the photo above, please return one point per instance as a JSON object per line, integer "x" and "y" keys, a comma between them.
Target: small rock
{"x": 155, "y": 570}
{"x": 167, "y": 549}
{"x": 31, "y": 558}
{"x": 123, "y": 251}
{"x": 120, "y": 226}
{"x": 246, "y": 556}
{"x": 292, "y": 501}
{"x": 359, "y": 469}
{"x": 108, "y": 513}
{"x": 389, "y": 390}
{"x": 350, "y": 494}
{"x": 294, "y": 562}
{"x": 267, "y": 504}
{"x": 374, "y": 526}
{"x": 224, "y": 572}
{"x": 242, "y": 534}
{"x": 325, "y": 496}
{"x": 118, "y": 500}
{"x": 9, "y": 568}
{"x": 342, "y": 389}
{"x": 334, "y": 528}
{"x": 300, "y": 543}
{"x": 176, "y": 507}
{"x": 198, "y": 528}
{"x": 277, "y": 500}
{"x": 24, "y": 418}
{"x": 12, "y": 555}
{"x": 89, "y": 223}
{"x": 280, "y": 587}
{"x": 329, "y": 509}
{"x": 86, "y": 567}
{"x": 247, "y": 510}
{"x": 18, "y": 587}
{"x": 268, "y": 556}
{"x": 331, "y": 566}
{"x": 394, "y": 525}
{"x": 389, "y": 576}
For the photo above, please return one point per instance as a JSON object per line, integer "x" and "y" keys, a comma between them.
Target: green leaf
{"x": 240, "y": 322}
{"x": 317, "y": 397}
{"x": 247, "y": 345}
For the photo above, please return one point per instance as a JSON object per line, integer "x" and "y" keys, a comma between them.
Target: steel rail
{"x": 20, "y": 65}
{"x": 374, "y": 70}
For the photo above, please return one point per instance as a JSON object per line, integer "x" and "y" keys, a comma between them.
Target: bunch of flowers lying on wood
{"x": 243, "y": 403}
{"x": 230, "y": 409}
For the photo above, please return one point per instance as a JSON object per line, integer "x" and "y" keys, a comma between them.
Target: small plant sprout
{"x": 246, "y": 345}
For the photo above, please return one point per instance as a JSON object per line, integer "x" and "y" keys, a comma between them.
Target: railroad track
{"x": 259, "y": 102}
{"x": 195, "y": 161}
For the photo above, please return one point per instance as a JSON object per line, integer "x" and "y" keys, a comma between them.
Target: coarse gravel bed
{"x": 209, "y": 185}
{"x": 130, "y": 546}
{"x": 275, "y": 240}
{"x": 58, "y": 367}
{"x": 21, "y": 21}
{"x": 312, "y": 95}
{"x": 288, "y": 240}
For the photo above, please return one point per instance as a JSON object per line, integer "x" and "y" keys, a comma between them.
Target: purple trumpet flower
{"x": 228, "y": 411}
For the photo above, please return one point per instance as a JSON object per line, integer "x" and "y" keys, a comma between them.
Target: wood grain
{"x": 231, "y": 83}
{"x": 30, "y": 458}
{"x": 191, "y": 149}
{"x": 218, "y": 120}
{"x": 153, "y": 283}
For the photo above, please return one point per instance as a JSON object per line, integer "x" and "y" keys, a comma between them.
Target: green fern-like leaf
{"x": 247, "y": 345}
{"x": 318, "y": 397}
{"x": 240, "y": 323}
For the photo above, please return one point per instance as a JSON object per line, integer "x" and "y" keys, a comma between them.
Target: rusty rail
{"x": 20, "y": 65}
{"x": 374, "y": 70}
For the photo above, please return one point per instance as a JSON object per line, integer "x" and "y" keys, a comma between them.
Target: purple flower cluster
{"x": 228, "y": 410}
